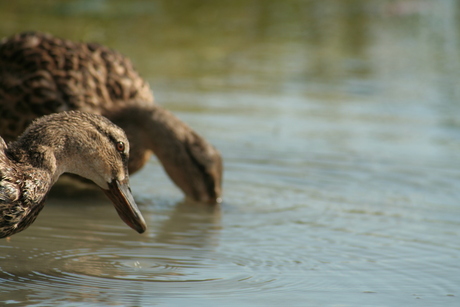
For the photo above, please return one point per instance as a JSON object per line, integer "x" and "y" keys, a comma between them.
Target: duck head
{"x": 109, "y": 156}
{"x": 90, "y": 146}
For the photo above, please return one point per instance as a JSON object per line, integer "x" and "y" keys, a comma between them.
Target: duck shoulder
{"x": 41, "y": 74}
{"x": 21, "y": 194}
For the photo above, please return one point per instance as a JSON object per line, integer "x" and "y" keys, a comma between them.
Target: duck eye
{"x": 120, "y": 146}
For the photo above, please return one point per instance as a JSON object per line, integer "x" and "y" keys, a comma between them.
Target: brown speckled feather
{"x": 41, "y": 74}
{"x": 12, "y": 208}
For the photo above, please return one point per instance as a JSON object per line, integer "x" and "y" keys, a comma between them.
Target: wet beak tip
{"x": 120, "y": 194}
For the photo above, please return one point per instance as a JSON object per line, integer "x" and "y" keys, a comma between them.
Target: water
{"x": 338, "y": 122}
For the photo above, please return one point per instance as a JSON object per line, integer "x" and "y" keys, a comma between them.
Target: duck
{"x": 75, "y": 142}
{"x": 42, "y": 74}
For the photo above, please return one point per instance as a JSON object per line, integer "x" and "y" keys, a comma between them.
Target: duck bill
{"x": 120, "y": 194}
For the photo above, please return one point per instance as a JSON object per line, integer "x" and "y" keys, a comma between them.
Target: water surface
{"x": 338, "y": 122}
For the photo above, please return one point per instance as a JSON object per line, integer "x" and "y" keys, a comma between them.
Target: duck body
{"x": 41, "y": 74}
{"x": 84, "y": 144}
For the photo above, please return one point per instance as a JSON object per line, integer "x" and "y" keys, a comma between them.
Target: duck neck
{"x": 193, "y": 164}
{"x": 36, "y": 184}
{"x": 39, "y": 161}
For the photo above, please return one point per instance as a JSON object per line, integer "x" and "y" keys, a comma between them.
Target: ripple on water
{"x": 165, "y": 269}
{"x": 349, "y": 224}
{"x": 281, "y": 235}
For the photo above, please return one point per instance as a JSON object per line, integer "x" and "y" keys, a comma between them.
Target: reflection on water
{"x": 338, "y": 124}
{"x": 98, "y": 251}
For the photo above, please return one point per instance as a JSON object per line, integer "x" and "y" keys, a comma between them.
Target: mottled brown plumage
{"x": 41, "y": 74}
{"x": 74, "y": 142}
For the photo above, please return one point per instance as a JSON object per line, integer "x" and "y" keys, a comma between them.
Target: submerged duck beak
{"x": 120, "y": 194}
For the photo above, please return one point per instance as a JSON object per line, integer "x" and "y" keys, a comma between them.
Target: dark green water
{"x": 339, "y": 124}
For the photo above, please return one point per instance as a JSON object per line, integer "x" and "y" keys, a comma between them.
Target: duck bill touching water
{"x": 42, "y": 74}
{"x": 74, "y": 142}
